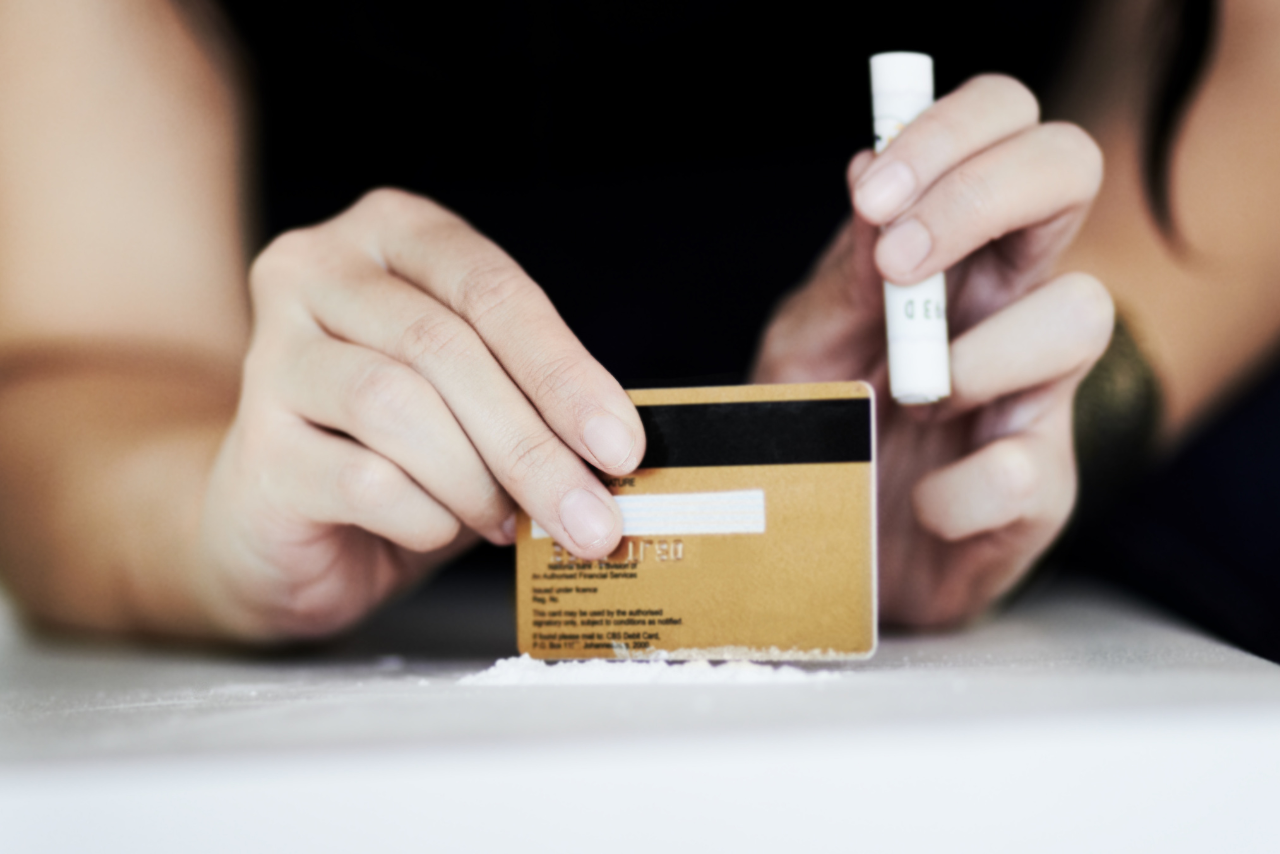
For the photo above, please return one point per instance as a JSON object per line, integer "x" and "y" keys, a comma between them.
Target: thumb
{"x": 832, "y": 326}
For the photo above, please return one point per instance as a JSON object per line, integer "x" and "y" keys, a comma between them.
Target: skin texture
{"x": 407, "y": 386}
{"x": 169, "y": 467}
{"x": 121, "y": 282}
{"x": 1205, "y": 308}
{"x": 973, "y": 489}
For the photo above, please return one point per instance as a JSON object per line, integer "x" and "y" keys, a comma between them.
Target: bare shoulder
{"x": 120, "y": 191}
{"x": 1226, "y": 174}
{"x": 1204, "y": 304}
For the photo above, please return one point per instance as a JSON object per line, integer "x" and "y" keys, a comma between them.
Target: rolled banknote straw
{"x": 915, "y": 312}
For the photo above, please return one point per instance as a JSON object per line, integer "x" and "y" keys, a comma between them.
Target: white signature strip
{"x": 680, "y": 513}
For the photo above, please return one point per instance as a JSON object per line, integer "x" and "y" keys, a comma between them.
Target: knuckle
{"x": 935, "y": 509}
{"x": 1073, "y": 145}
{"x": 387, "y": 201}
{"x": 435, "y": 534}
{"x": 941, "y": 522}
{"x": 857, "y": 166}
{"x": 923, "y": 508}
{"x": 1013, "y": 472}
{"x": 531, "y": 456}
{"x": 942, "y": 131}
{"x": 1012, "y": 94}
{"x": 383, "y": 196}
{"x": 379, "y": 394}
{"x": 366, "y": 485}
{"x": 1092, "y": 312}
{"x": 392, "y": 204}
{"x": 485, "y": 503}
{"x": 283, "y": 260}
{"x": 316, "y": 603}
{"x": 434, "y": 336}
{"x": 949, "y": 530}
{"x": 494, "y": 514}
{"x": 488, "y": 286}
{"x": 560, "y": 379}
{"x": 970, "y": 192}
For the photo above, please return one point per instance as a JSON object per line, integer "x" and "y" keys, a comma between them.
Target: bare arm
{"x": 122, "y": 311}
{"x": 1208, "y": 318}
{"x": 392, "y": 343}
{"x": 165, "y": 467}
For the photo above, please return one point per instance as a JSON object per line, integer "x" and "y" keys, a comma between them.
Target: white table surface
{"x": 1077, "y": 720}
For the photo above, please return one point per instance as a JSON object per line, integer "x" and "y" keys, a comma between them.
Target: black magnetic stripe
{"x": 774, "y": 432}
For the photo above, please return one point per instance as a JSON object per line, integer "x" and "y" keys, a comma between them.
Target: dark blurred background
{"x": 666, "y": 171}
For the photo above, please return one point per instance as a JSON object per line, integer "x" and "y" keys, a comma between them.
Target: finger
{"x": 844, "y": 290}
{"x": 1021, "y": 479}
{"x": 393, "y": 411}
{"x": 997, "y": 509}
{"x": 982, "y": 112}
{"x": 858, "y": 167}
{"x": 479, "y": 282}
{"x": 832, "y": 328}
{"x": 1039, "y": 183}
{"x": 334, "y": 481}
{"x": 537, "y": 469}
{"x": 1056, "y": 331}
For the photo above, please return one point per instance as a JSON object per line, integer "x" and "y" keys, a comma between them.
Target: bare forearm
{"x": 102, "y": 471}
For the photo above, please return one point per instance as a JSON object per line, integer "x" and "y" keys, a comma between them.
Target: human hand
{"x": 975, "y": 488}
{"x": 407, "y": 385}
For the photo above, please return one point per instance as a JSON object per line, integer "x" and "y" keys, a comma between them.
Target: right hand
{"x": 406, "y": 387}
{"x": 972, "y": 490}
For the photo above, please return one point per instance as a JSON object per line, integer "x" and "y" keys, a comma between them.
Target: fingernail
{"x": 585, "y": 518}
{"x": 902, "y": 249}
{"x": 608, "y": 440}
{"x": 509, "y": 528}
{"x": 880, "y": 194}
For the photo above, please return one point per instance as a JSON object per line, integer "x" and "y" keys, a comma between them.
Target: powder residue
{"x": 597, "y": 671}
{"x": 745, "y": 653}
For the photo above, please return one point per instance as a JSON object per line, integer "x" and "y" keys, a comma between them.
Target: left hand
{"x": 975, "y": 488}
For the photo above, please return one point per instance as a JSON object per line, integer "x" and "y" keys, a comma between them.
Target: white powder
{"x": 746, "y": 653}
{"x": 597, "y": 671}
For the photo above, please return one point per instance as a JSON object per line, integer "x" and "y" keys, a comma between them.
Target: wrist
{"x": 102, "y": 473}
{"x": 170, "y": 585}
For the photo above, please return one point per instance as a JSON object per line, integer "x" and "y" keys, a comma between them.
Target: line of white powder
{"x": 530, "y": 671}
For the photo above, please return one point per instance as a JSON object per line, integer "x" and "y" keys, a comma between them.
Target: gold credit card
{"x": 749, "y": 531}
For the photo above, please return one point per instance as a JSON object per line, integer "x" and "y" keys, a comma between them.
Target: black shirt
{"x": 664, "y": 170}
